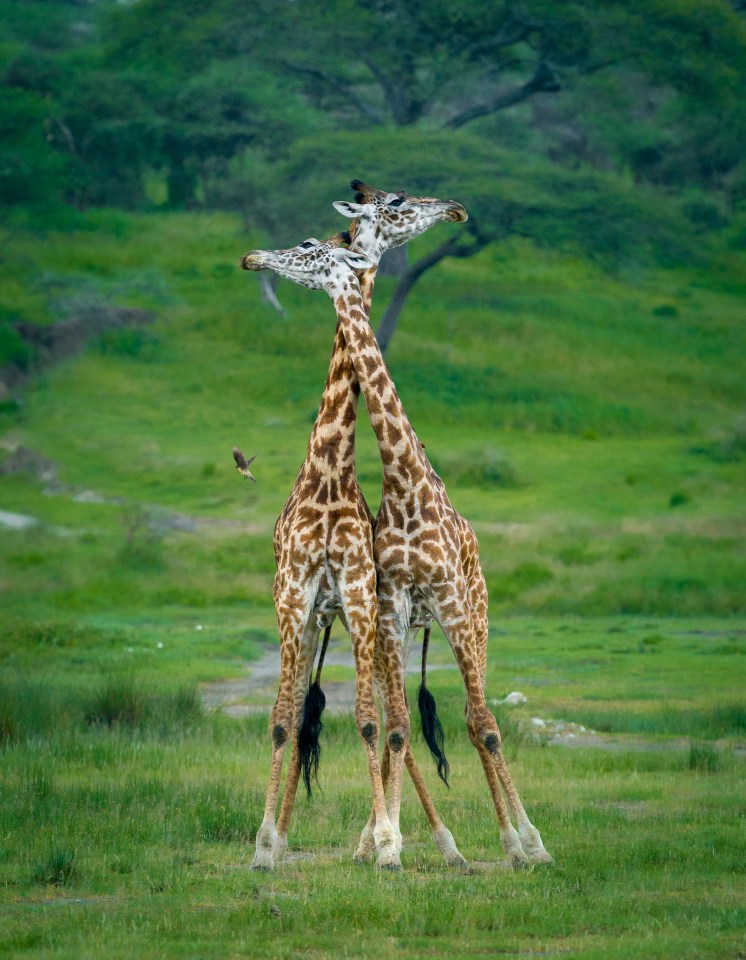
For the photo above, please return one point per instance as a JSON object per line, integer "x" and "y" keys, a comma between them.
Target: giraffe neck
{"x": 331, "y": 447}
{"x": 402, "y": 455}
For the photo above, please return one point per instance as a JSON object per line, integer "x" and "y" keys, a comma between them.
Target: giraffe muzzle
{"x": 456, "y": 213}
{"x": 252, "y": 260}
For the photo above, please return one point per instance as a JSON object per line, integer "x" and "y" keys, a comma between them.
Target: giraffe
{"x": 426, "y": 554}
{"x": 340, "y": 398}
{"x": 323, "y": 553}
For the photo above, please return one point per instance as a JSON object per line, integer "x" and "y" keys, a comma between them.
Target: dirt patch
{"x": 54, "y": 342}
{"x": 260, "y": 684}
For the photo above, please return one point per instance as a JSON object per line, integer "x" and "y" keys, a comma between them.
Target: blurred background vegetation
{"x": 573, "y": 356}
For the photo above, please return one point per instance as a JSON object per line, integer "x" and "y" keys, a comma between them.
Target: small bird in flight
{"x": 242, "y": 464}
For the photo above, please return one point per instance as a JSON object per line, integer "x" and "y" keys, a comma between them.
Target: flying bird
{"x": 242, "y": 464}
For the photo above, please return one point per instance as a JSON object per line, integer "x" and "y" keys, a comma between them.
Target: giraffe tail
{"x": 432, "y": 729}
{"x": 309, "y": 747}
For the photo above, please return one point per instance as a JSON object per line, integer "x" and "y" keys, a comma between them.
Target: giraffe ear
{"x": 350, "y": 210}
{"x": 357, "y": 261}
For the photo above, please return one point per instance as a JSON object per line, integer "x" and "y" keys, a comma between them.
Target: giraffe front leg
{"x": 390, "y": 638}
{"x": 303, "y": 673}
{"x": 292, "y": 616}
{"x": 367, "y": 845}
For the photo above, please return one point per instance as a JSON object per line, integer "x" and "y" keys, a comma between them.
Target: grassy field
{"x": 591, "y": 427}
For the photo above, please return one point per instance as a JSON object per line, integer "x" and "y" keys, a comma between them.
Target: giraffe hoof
{"x": 519, "y": 861}
{"x": 392, "y": 867}
{"x": 260, "y": 868}
{"x": 532, "y": 845}
{"x": 458, "y": 862}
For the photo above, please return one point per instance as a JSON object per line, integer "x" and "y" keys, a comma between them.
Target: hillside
{"x": 587, "y": 422}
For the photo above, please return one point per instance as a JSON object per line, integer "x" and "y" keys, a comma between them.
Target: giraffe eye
{"x": 396, "y": 203}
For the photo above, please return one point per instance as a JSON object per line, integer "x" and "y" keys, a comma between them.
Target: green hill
{"x": 587, "y": 423}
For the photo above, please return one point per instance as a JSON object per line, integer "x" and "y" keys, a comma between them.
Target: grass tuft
{"x": 59, "y": 869}
{"x": 704, "y": 757}
{"x": 124, "y": 702}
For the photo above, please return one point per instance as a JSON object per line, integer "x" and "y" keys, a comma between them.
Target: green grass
{"x": 589, "y": 425}
{"x": 125, "y": 842}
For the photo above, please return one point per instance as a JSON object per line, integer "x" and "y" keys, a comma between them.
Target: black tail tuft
{"x": 309, "y": 747}
{"x": 432, "y": 730}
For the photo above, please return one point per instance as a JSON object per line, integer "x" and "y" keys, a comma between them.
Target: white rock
{"x": 538, "y": 722}
{"x": 514, "y": 698}
{"x": 16, "y": 521}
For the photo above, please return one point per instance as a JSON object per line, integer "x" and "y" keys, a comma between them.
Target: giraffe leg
{"x": 457, "y": 624}
{"x": 391, "y": 638}
{"x": 529, "y": 835}
{"x": 361, "y": 618}
{"x": 367, "y": 844}
{"x": 292, "y": 618}
{"x": 455, "y": 621}
{"x": 302, "y": 677}
{"x": 441, "y": 834}
{"x": 509, "y": 837}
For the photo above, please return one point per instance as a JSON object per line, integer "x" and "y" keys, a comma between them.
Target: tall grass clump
{"x": 720, "y": 720}
{"x": 32, "y": 708}
{"x": 58, "y": 869}
{"x": 124, "y": 702}
{"x": 704, "y": 757}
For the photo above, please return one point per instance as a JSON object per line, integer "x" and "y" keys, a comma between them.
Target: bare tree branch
{"x": 268, "y": 294}
{"x": 543, "y": 81}
{"x": 339, "y": 85}
{"x": 454, "y": 247}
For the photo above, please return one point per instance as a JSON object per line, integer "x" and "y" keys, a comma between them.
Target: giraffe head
{"x": 385, "y": 220}
{"x": 316, "y": 264}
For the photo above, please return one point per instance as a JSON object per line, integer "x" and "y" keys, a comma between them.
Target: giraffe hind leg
{"x": 530, "y": 837}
